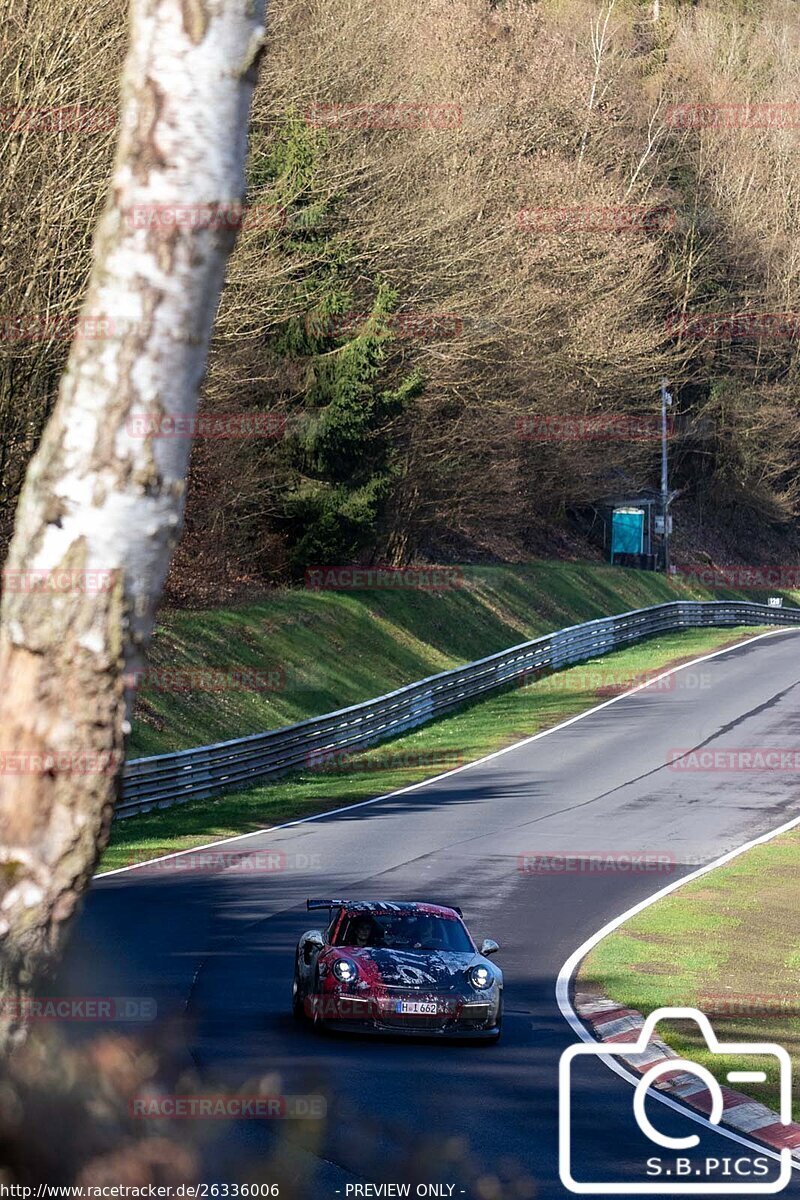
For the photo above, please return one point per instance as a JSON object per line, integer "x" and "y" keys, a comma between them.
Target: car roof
{"x": 401, "y": 907}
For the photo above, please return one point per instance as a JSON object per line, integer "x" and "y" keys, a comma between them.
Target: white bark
{"x": 99, "y": 496}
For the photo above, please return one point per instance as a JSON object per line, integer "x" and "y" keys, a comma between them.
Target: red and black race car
{"x": 397, "y": 968}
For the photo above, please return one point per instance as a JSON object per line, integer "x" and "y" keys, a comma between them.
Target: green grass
{"x": 727, "y": 943}
{"x": 336, "y": 648}
{"x": 468, "y": 734}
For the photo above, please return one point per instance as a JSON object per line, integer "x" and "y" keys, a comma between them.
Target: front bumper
{"x": 455, "y": 1031}
{"x": 458, "y": 1017}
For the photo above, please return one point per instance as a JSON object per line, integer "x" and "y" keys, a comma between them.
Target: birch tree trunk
{"x": 103, "y": 501}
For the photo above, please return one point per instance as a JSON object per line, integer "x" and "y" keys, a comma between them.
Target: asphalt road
{"x": 215, "y": 947}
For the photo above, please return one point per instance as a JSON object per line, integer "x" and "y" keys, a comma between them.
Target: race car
{"x": 397, "y": 968}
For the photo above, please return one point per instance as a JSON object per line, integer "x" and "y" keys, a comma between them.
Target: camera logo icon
{"x": 770, "y": 1052}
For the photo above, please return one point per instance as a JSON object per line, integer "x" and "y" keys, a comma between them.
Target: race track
{"x": 216, "y": 947}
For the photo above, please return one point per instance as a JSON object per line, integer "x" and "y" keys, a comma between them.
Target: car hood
{"x": 412, "y": 968}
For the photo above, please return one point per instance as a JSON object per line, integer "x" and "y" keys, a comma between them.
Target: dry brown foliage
{"x": 562, "y": 103}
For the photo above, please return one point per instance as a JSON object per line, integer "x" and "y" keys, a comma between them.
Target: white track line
{"x": 570, "y": 967}
{"x": 240, "y": 837}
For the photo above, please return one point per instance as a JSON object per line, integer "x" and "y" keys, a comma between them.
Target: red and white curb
{"x": 611, "y": 1022}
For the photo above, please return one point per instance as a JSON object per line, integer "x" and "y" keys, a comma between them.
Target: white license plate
{"x": 426, "y": 1007}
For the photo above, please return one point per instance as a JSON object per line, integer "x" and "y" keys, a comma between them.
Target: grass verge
{"x": 319, "y": 651}
{"x": 468, "y": 734}
{"x": 728, "y": 944}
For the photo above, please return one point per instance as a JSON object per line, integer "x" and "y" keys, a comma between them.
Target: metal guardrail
{"x": 167, "y": 779}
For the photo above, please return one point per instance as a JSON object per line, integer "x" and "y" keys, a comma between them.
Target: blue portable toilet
{"x": 627, "y": 531}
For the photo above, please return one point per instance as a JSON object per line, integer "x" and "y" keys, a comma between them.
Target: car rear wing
{"x": 313, "y": 904}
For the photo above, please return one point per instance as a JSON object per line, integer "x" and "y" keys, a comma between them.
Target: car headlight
{"x": 480, "y": 977}
{"x": 345, "y": 971}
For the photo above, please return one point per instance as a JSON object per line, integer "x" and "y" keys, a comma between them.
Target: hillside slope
{"x": 324, "y": 650}
{"x": 478, "y": 236}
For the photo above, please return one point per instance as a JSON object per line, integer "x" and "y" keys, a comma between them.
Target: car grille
{"x": 462, "y": 1011}
{"x": 414, "y": 1021}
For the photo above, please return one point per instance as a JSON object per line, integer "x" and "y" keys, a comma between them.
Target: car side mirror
{"x": 488, "y": 946}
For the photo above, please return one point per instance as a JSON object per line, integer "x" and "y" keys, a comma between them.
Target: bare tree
{"x": 103, "y": 501}
{"x": 600, "y": 40}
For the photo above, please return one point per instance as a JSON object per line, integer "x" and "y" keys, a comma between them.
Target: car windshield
{"x": 403, "y": 931}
